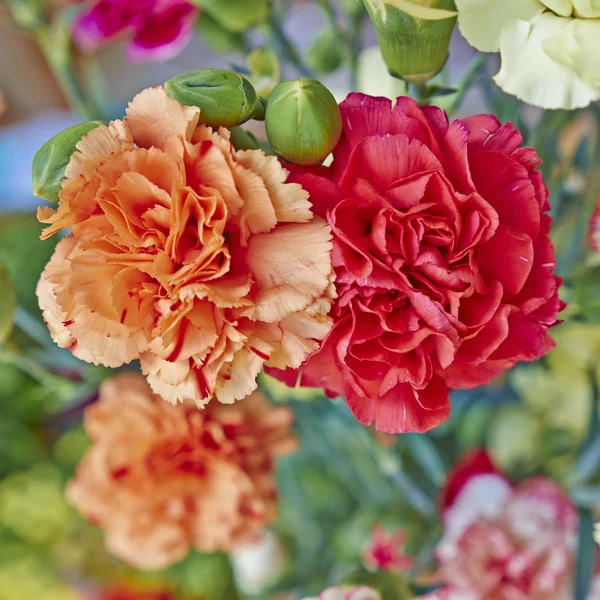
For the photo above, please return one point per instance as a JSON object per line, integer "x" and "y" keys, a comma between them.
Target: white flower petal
{"x": 481, "y": 21}
{"x": 531, "y": 74}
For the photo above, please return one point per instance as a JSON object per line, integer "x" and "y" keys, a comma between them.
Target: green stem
{"x": 586, "y": 552}
{"x": 355, "y": 48}
{"x": 58, "y": 55}
{"x": 285, "y": 47}
{"x": 29, "y": 367}
{"x": 418, "y": 91}
{"x": 350, "y": 38}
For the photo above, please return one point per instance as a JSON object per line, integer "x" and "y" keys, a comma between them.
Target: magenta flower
{"x": 160, "y": 28}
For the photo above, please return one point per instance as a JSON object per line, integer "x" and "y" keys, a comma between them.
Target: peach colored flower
{"x": 160, "y": 479}
{"x": 197, "y": 259}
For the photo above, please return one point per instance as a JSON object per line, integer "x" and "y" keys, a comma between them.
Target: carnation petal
{"x": 155, "y": 120}
{"x": 100, "y": 142}
{"x": 289, "y": 200}
{"x": 540, "y": 80}
{"x": 384, "y": 161}
{"x": 291, "y": 267}
{"x": 482, "y": 21}
{"x": 508, "y": 258}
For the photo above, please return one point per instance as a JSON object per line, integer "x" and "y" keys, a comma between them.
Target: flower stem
{"x": 285, "y": 47}
{"x": 58, "y": 53}
{"x": 350, "y": 38}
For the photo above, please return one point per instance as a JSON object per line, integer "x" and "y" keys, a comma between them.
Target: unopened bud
{"x": 303, "y": 121}
{"x": 413, "y": 35}
{"x": 235, "y": 15}
{"x": 225, "y": 99}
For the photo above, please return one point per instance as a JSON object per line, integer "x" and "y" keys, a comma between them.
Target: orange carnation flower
{"x": 197, "y": 259}
{"x": 159, "y": 479}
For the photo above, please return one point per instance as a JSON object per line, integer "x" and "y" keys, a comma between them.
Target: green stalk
{"x": 284, "y": 46}
{"x": 57, "y": 52}
{"x": 350, "y": 38}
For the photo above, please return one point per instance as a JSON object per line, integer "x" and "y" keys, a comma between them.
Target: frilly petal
{"x": 482, "y": 21}
{"x": 532, "y": 75}
{"x": 155, "y": 120}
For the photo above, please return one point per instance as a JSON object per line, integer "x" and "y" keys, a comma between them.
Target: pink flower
{"x": 444, "y": 268}
{"x": 160, "y": 28}
{"x": 385, "y": 551}
{"x": 348, "y": 593}
{"x": 503, "y": 542}
{"x": 594, "y": 228}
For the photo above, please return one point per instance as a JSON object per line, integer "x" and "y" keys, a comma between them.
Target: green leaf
{"x": 51, "y": 160}
{"x": 587, "y": 294}
{"x": 8, "y": 303}
{"x": 389, "y": 586}
{"x": 207, "y": 576}
{"x": 586, "y": 555}
{"x": 426, "y": 455}
{"x": 25, "y": 256}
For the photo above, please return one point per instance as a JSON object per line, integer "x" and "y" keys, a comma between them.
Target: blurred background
{"x": 347, "y": 479}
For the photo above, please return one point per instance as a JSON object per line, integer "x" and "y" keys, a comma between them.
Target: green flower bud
{"x": 326, "y": 54}
{"x": 235, "y": 15}
{"x": 225, "y": 99}
{"x": 265, "y": 70}
{"x": 353, "y": 7}
{"x": 217, "y": 37}
{"x": 28, "y": 14}
{"x": 414, "y": 35}
{"x": 303, "y": 121}
{"x": 51, "y": 160}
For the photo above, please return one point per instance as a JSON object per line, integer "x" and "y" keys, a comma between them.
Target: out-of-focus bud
{"x": 217, "y": 37}
{"x": 235, "y": 15}
{"x": 27, "y": 14}
{"x": 326, "y": 53}
{"x": 225, "y": 99}
{"x": 353, "y": 7}
{"x": 303, "y": 121}
{"x": 51, "y": 160}
{"x": 414, "y": 35}
{"x": 265, "y": 70}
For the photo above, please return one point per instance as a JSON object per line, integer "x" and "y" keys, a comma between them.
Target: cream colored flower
{"x": 198, "y": 260}
{"x": 549, "y": 48}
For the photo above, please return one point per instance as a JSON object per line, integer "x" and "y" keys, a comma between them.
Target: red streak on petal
{"x": 119, "y": 473}
{"x": 259, "y": 353}
{"x": 205, "y": 146}
{"x": 123, "y": 315}
{"x": 179, "y": 345}
{"x": 69, "y": 322}
{"x": 176, "y": 305}
{"x": 202, "y": 385}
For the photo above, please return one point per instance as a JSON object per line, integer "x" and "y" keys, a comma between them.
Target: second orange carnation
{"x": 161, "y": 479}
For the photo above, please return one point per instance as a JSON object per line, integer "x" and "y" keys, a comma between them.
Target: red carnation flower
{"x": 444, "y": 268}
